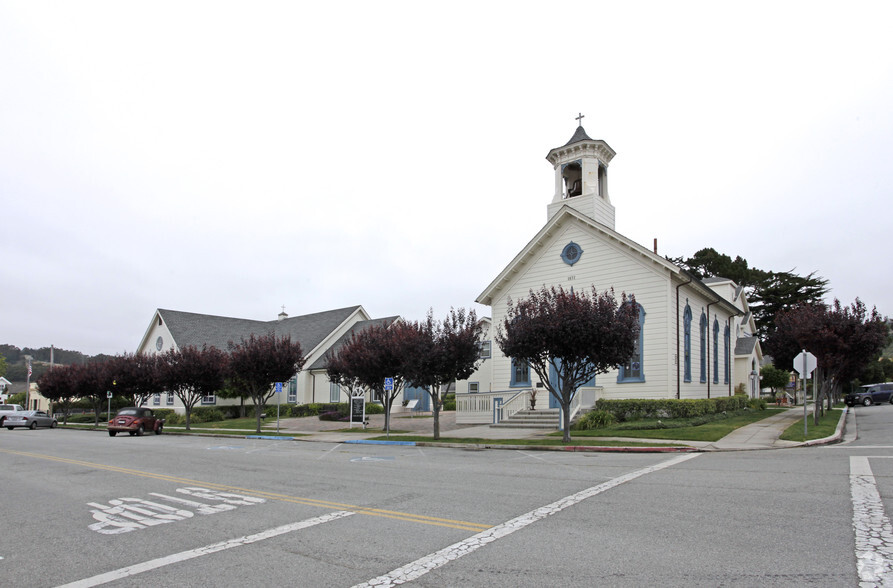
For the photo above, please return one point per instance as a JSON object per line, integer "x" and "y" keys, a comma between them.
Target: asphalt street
{"x": 83, "y": 509}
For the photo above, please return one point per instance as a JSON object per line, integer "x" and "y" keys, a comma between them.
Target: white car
{"x": 8, "y": 409}
{"x": 29, "y": 418}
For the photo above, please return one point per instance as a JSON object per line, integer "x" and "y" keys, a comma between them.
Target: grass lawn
{"x": 537, "y": 441}
{"x": 826, "y": 427}
{"x": 712, "y": 431}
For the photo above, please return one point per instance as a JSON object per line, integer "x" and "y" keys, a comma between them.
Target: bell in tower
{"x": 581, "y": 177}
{"x": 573, "y": 178}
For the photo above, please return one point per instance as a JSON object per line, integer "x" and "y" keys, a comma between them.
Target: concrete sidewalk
{"x": 763, "y": 434}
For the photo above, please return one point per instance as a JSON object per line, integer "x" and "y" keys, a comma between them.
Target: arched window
{"x": 633, "y": 370}
{"x": 520, "y": 376}
{"x": 727, "y": 338}
{"x": 686, "y": 319}
{"x": 715, "y": 351}
{"x": 703, "y": 348}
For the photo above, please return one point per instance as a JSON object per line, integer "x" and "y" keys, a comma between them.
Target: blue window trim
{"x": 727, "y": 337}
{"x": 687, "y": 348}
{"x": 209, "y": 399}
{"x": 170, "y": 399}
{"x": 703, "y": 347}
{"x": 478, "y": 384}
{"x": 156, "y": 399}
{"x": 571, "y": 253}
{"x": 517, "y": 383}
{"x": 715, "y": 351}
{"x": 622, "y": 378}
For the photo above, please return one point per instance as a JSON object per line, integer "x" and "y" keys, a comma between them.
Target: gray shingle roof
{"x": 189, "y": 328}
{"x": 320, "y": 363}
{"x": 745, "y": 345}
{"x": 579, "y": 135}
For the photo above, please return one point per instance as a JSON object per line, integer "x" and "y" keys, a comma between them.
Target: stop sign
{"x": 804, "y": 363}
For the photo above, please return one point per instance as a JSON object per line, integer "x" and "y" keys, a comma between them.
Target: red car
{"x": 135, "y": 421}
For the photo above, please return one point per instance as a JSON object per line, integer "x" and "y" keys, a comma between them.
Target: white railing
{"x": 482, "y": 409}
{"x": 505, "y": 410}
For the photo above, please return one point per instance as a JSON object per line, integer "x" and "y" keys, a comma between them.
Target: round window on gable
{"x": 571, "y": 253}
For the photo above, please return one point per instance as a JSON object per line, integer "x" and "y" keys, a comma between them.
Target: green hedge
{"x": 635, "y": 409}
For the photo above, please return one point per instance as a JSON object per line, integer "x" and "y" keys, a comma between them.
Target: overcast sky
{"x": 230, "y": 158}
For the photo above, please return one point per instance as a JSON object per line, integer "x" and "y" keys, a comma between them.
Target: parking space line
{"x": 206, "y": 550}
{"x": 423, "y": 565}
{"x": 376, "y": 512}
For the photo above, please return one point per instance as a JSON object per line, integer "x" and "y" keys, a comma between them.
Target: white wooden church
{"x": 696, "y": 337}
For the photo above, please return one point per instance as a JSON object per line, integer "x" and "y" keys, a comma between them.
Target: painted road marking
{"x": 422, "y": 566}
{"x": 124, "y": 515}
{"x": 375, "y": 512}
{"x": 871, "y": 526}
{"x": 206, "y": 550}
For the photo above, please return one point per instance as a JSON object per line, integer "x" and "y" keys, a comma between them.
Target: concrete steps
{"x": 547, "y": 418}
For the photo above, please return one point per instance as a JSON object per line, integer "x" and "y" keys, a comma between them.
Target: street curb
{"x": 838, "y": 432}
{"x": 571, "y": 448}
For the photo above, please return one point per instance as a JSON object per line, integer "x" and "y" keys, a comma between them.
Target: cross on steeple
{"x": 283, "y": 308}
{"x": 579, "y": 119}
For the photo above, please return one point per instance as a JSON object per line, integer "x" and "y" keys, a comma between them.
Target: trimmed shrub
{"x": 595, "y": 419}
{"x": 170, "y": 416}
{"x": 374, "y": 408}
{"x": 669, "y": 408}
{"x": 205, "y": 414}
{"x": 757, "y": 403}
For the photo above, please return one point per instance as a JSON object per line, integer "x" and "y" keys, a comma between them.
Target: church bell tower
{"x": 581, "y": 177}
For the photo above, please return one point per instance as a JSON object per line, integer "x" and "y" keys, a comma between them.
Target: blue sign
{"x": 278, "y": 387}
{"x": 389, "y": 383}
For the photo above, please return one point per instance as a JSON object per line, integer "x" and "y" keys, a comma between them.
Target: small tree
{"x": 135, "y": 376}
{"x": 58, "y": 386}
{"x": 91, "y": 382}
{"x": 257, "y": 363}
{"x": 192, "y": 373}
{"x": 340, "y": 373}
{"x": 576, "y": 335}
{"x": 442, "y": 352}
{"x": 773, "y": 378}
{"x": 373, "y": 354}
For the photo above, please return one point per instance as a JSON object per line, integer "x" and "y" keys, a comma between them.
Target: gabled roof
{"x": 566, "y": 214}
{"x": 189, "y": 328}
{"x": 745, "y": 345}
{"x": 321, "y": 363}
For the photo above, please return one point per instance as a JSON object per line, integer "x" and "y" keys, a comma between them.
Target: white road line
{"x": 206, "y": 550}
{"x": 872, "y": 528}
{"x": 423, "y": 565}
{"x": 328, "y": 452}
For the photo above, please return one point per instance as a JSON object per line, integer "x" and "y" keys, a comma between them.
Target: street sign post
{"x": 278, "y": 403}
{"x": 804, "y": 364}
{"x": 389, "y": 387}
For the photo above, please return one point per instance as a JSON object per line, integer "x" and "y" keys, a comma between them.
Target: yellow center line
{"x": 403, "y": 516}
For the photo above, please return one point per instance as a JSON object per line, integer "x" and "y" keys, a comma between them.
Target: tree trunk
{"x": 566, "y": 420}
{"x": 435, "y": 399}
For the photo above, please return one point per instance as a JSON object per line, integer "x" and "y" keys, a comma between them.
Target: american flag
{"x": 29, "y": 369}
